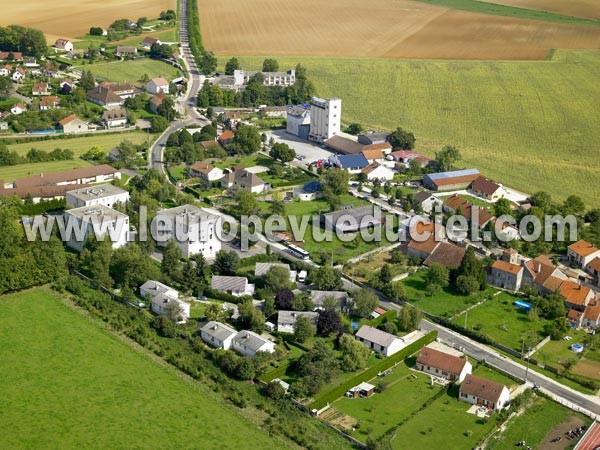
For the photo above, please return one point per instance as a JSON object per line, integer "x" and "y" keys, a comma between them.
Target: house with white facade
{"x": 100, "y": 220}
{"x": 18, "y": 74}
{"x": 443, "y": 365}
{"x": 237, "y": 286}
{"x": 582, "y": 253}
{"x": 113, "y": 118}
{"x": 310, "y": 190}
{"x": 162, "y": 298}
{"x": 193, "y": 229}
{"x": 240, "y": 178}
{"x": 73, "y": 125}
{"x": 482, "y": 392}
{"x": 206, "y": 171}
{"x": 379, "y": 341}
{"x": 325, "y": 118}
{"x": 376, "y": 171}
{"x": 103, "y": 194}
{"x": 157, "y": 86}
{"x": 64, "y": 44}
{"x": 18, "y": 108}
{"x": 286, "y": 320}
{"x": 248, "y": 343}
{"x": 218, "y": 334}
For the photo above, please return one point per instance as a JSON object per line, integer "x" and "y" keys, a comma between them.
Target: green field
{"x": 68, "y": 384}
{"x": 531, "y": 125}
{"x": 10, "y": 173}
{"x": 131, "y": 71}
{"x": 79, "y": 146}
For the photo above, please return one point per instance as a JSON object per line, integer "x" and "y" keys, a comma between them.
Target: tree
{"x": 213, "y": 312}
{"x": 246, "y": 203}
{"x": 395, "y": 291}
{"x": 317, "y": 367}
{"x": 385, "y": 274}
{"x": 250, "y": 318}
{"x": 171, "y": 261}
{"x": 87, "y": 81}
{"x": 354, "y": 354}
{"x": 284, "y": 299}
{"x": 270, "y": 65}
{"x": 328, "y": 322}
{"x": 208, "y": 63}
{"x": 502, "y": 207}
{"x": 446, "y": 157}
{"x": 409, "y": 318}
{"x": 269, "y": 306}
{"x": 327, "y": 278}
{"x": 167, "y": 109}
{"x": 573, "y": 205}
{"x": 557, "y": 328}
{"x": 96, "y": 256}
{"x": 389, "y": 327}
{"x": 96, "y": 31}
{"x": 246, "y": 140}
{"x": 401, "y": 139}
{"x": 542, "y": 200}
{"x": 226, "y": 262}
{"x": 466, "y": 284}
{"x": 277, "y": 278}
{"x": 5, "y": 86}
{"x": 472, "y": 267}
{"x": 303, "y": 329}
{"x": 277, "y": 207}
{"x": 274, "y": 390}
{"x": 232, "y": 65}
{"x": 365, "y": 302}
{"x": 174, "y": 311}
{"x": 354, "y": 128}
{"x": 282, "y": 152}
{"x": 335, "y": 181}
{"x": 437, "y": 275}
{"x": 159, "y": 124}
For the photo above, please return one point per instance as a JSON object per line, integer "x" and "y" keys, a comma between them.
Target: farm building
{"x": 482, "y": 392}
{"x": 298, "y": 122}
{"x": 443, "y": 365}
{"x": 450, "y": 181}
{"x": 82, "y": 175}
{"x": 374, "y": 138}
{"x": 344, "y": 145}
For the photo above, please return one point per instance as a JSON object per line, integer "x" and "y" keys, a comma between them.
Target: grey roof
{"x": 218, "y": 330}
{"x": 224, "y": 283}
{"x": 290, "y": 317}
{"x": 97, "y": 191}
{"x": 377, "y": 336}
{"x": 243, "y": 178}
{"x": 262, "y": 268}
{"x": 96, "y": 212}
{"x": 250, "y": 340}
{"x": 318, "y": 297}
{"x": 298, "y": 111}
{"x": 374, "y": 137}
{"x": 190, "y": 212}
{"x": 157, "y": 286}
{"x": 421, "y": 196}
{"x": 339, "y": 219}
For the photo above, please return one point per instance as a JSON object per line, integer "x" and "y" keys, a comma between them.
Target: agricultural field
{"x": 132, "y": 71}
{"x": 79, "y": 146}
{"x": 68, "y": 384}
{"x": 538, "y": 119}
{"x": 587, "y": 9}
{"x": 387, "y": 29}
{"x": 63, "y": 18}
{"x": 10, "y": 173}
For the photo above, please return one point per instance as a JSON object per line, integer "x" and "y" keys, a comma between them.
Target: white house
{"x": 5, "y": 71}
{"x": 18, "y": 108}
{"x": 379, "y": 341}
{"x": 103, "y": 194}
{"x": 582, "y": 253}
{"x": 376, "y": 171}
{"x": 194, "y": 230}
{"x": 115, "y": 117}
{"x": 325, "y": 118}
{"x": 161, "y": 296}
{"x": 206, "y": 171}
{"x": 18, "y": 74}
{"x": 482, "y": 392}
{"x": 427, "y": 201}
{"x": 218, "y": 334}
{"x": 310, "y": 190}
{"x": 443, "y": 365}
{"x": 240, "y": 178}
{"x": 286, "y": 320}
{"x": 73, "y": 125}
{"x": 249, "y": 343}
{"x": 64, "y": 44}
{"x": 100, "y": 220}
{"x": 157, "y": 86}
{"x": 40, "y": 89}
{"x": 237, "y": 286}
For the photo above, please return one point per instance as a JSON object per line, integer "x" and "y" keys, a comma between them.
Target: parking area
{"x": 310, "y": 151}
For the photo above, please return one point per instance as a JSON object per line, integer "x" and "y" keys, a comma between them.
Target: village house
{"x": 156, "y": 101}
{"x": 240, "y": 178}
{"x": 11, "y": 56}
{"x": 426, "y": 201}
{"x": 3, "y": 125}
{"x": 482, "y": 392}
{"x": 112, "y": 94}
{"x": 113, "y": 118}
{"x": 64, "y": 44}
{"x": 111, "y": 223}
{"x": 593, "y": 269}
{"x": 286, "y": 320}
{"x": 49, "y": 102}
{"x": 40, "y": 89}
{"x": 374, "y": 155}
{"x": 101, "y": 194}
{"x": 443, "y": 365}
{"x": 73, "y": 125}
{"x": 67, "y": 82}
{"x": 591, "y": 316}
{"x": 125, "y": 51}
{"x": 226, "y": 137}
{"x": 162, "y": 298}
{"x": 351, "y": 163}
{"x": 379, "y": 341}
{"x": 484, "y": 188}
{"x": 376, "y": 171}
{"x": 237, "y": 286}
{"x": 234, "y": 118}
{"x": 199, "y": 227}
{"x": 474, "y": 214}
{"x": 446, "y": 254}
{"x": 206, "y": 171}
{"x": 18, "y": 75}
{"x": 30, "y": 62}
{"x": 18, "y": 108}
{"x": 310, "y": 190}
{"x": 248, "y": 343}
{"x": 576, "y": 296}
{"x": 218, "y": 334}
{"x": 507, "y": 273}
{"x": 157, "y": 86}
{"x": 581, "y": 253}
{"x": 450, "y": 181}
{"x": 341, "y": 299}
{"x": 149, "y": 40}
{"x": 5, "y": 71}
{"x": 350, "y": 220}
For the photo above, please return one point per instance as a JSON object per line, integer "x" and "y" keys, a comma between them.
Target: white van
{"x": 301, "y": 276}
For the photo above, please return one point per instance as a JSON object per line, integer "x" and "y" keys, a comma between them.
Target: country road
{"x": 185, "y": 103}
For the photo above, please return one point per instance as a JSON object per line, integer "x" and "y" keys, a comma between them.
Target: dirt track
{"x": 587, "y": 9}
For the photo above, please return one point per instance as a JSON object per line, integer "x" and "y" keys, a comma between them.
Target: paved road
{"x": 187, "y": 102}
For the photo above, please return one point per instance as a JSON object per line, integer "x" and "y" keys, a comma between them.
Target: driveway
{"x": 309, "y": 150}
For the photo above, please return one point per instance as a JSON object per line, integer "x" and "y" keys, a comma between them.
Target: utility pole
{"x": 466, "y": 314}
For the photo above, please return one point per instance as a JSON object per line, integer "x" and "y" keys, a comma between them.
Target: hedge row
{"x": 275, "y": 373}
{"x": 337, "y": 392}
{"x": 389, "y": 316}
{"x": 194, "y": 36}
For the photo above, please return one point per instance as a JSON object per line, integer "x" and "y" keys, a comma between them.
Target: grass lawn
{"x": 382, "y": 411}
{"x": 502, "y": 322}
{"x": 369, "y": 267}
{"x": 539, "y": 418}
{"x": 558, "y": 353}
{"x": 132, "y": 71}
{"x": 81, "y": 145}
{"x": 10, "y": 173}
{"x": 444, "y": 424}
{"x": 445, "y": 303}
{"x": 68, "y": 384}
{"x": 493, "y": 375}
{"x": 537, "y": 118}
